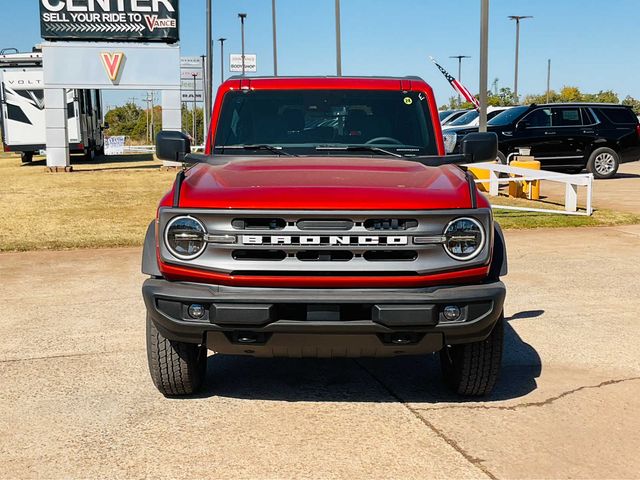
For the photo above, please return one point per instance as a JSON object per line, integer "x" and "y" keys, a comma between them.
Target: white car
{"x": 472, "y": 118}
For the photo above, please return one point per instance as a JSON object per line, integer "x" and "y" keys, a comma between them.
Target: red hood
{"x": 325, "y": 183}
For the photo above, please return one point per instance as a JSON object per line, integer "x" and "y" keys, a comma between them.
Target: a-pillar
{"x": 57, "y": 134}
{"x": 171, "y": 116}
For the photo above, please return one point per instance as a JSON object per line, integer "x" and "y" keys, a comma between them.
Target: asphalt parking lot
{"x": 76, "y": 399}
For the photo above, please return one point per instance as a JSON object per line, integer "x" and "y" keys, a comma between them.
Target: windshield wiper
{"x": 357, "y": 148}
{"x": 272, "y": 148}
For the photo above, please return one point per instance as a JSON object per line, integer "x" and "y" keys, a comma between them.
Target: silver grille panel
{"x": 340, "y": 243}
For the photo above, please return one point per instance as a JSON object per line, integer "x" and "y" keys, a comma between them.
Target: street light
{"x": 338, "y": 41}
{"x": 222, "y": 40}
{"x": 275, "y": 38}
{"x": 242, "y": 16}
{"x": 517, "y": 19}
{"x": 459, "y": 57}
{"x": 208, "y": 78}
{"x": 484, "y": 62}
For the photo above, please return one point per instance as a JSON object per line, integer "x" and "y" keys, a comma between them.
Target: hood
{"x": 325, "y": 183}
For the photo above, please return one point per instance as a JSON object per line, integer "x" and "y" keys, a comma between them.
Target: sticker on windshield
{"x": 408, "y": 100}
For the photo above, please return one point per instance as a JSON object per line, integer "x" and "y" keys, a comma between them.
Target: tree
{"x": 633, "y": 103}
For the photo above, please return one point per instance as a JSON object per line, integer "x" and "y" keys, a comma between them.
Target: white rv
{"x": 22, "y": 115}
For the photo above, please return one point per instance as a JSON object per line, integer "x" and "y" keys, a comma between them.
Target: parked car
{"x": 472, "y": 118}
{"x": 566, "y": 137}
{"x": 447, "y": 116}
{"x": 324, "y": 220}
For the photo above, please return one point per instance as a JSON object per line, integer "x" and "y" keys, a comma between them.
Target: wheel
{"x": 603, "y": 163}
{"x": 472, "y": 369}
{"x": 27, "y": 157}
{"x": 502, "y": 158}
{"x": 176, "y": 368}
{"x": 90, "y": 155}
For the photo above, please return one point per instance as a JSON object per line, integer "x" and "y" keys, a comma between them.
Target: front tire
{"x": 603, "y": 163}
{"x": 472, "y": 369}
{"x": 26, "y": 157}
{"x": 176, "y": 368}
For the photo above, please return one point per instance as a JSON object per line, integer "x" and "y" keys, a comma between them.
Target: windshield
{"x": 299, "y": 121}
{"x": 507, "y": 116}
{"x": 445, "y": 114}
{"x": 464, "y": 119}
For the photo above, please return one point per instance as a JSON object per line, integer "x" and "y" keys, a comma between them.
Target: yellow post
{"x": 481, "y": 174}
{"x": 525, "y": 189}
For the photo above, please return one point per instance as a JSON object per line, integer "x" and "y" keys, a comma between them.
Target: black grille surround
{"x": 320, "y": 243}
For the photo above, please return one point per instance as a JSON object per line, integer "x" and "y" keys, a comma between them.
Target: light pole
{"x": 222, "y": 40}
{"x": 275, "y": 38}
{"x": 195, "y": 76}
{"x": 208, "y": 78}
{"x": 548, "y": 80}
{"x": 338, "y": 41}
{"x": 242, "y": 16}
{"x": 484, "y": 62}
{"x": 517, "y": 19}
{"x": 206, "y": 106}
{"x": 459, "y": 57}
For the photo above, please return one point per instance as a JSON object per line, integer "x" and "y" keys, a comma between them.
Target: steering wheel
{"x": 384, "y": 140}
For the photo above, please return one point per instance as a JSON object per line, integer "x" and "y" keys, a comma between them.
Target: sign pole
{"x": 195, "y": 95}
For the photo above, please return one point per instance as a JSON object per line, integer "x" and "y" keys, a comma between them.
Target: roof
{"x": 580, "y": 104}
{"x": 332, "y": 77}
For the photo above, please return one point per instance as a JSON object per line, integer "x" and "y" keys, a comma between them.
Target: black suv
{"x": 566, "y": 137}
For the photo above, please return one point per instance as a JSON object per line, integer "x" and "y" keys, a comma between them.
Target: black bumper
{"x": 323, "y": 322}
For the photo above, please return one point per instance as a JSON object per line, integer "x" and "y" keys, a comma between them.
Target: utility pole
{"x": 484, "y": 62}
{"x": 221, "y": 40}
{"x": 517, "y": 19}
{"x": 548, "y": 80}
{"x": 275, "y": 38}
{"x": 242, "y": 16}
{"x": 460, "y": 57}
{"x": 208, "y": 78}
{"x": 195, "y": 76}
{"x": 338, "y": 41}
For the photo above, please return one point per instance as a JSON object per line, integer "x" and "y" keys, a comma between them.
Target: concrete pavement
{"x": 76, "y": 399}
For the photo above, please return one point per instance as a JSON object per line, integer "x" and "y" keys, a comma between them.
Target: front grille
{"x": 309, "y": 243}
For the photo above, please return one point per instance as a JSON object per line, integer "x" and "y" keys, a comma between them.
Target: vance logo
{"x": 112, "y": 63}
{"x": 154, "y": 22}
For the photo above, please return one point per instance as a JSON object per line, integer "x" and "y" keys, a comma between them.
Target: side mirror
{"x": 172, "y": 146}
{"x": 522, "y": 125}
{"x": 480, "y": 147}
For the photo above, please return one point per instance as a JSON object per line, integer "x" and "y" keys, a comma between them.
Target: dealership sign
{"x": 110, "y": 20}
{"x": 250, "y": 62}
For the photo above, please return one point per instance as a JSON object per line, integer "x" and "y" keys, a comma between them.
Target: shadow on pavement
{"x": 406, "y": 379}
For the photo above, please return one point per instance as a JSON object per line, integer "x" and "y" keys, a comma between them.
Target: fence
{"x": 517, "y": 174}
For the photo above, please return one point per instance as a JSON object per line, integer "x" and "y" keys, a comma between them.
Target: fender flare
{"x": 149, "y": 259}
{"x": 499, "y": 265}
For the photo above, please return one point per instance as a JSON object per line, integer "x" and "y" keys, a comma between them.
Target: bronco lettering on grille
{"x": 334, "y": 240}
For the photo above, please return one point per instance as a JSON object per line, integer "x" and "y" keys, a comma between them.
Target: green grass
{"x": 109, "y": 203}
{"x": 512, "y": 219}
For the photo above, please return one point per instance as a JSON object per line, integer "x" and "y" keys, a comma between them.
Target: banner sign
{"x": 110, "y": 20}
{"x": 250, "y": 62}
{"x": 114, "y": 145}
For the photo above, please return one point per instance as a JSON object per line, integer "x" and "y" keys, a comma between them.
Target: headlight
{"x": 464, "y": 238}
{"x": 184, "y": 237}
{"x": 450, "y": 139}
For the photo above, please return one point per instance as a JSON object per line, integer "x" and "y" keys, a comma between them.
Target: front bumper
{"x": 296, "y": 322}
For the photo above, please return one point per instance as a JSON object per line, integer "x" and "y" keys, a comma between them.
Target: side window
{"x": 566, "y": 117}
{"x": 587, "y": 117}
{"x": 539, "y": 118}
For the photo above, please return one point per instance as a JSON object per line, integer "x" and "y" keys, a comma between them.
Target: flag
{"x": 457, "y": 86}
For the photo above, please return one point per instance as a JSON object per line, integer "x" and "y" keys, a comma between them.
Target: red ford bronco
{"x": 324, "y": 220}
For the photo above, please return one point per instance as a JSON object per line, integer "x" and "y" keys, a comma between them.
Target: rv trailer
{"x": 22, "y": 113}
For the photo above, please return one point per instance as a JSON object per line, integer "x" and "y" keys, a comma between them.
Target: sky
{"x": 592, "y": 44}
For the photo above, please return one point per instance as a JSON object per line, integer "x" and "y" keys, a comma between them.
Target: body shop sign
{"x": 110, "y": 20}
